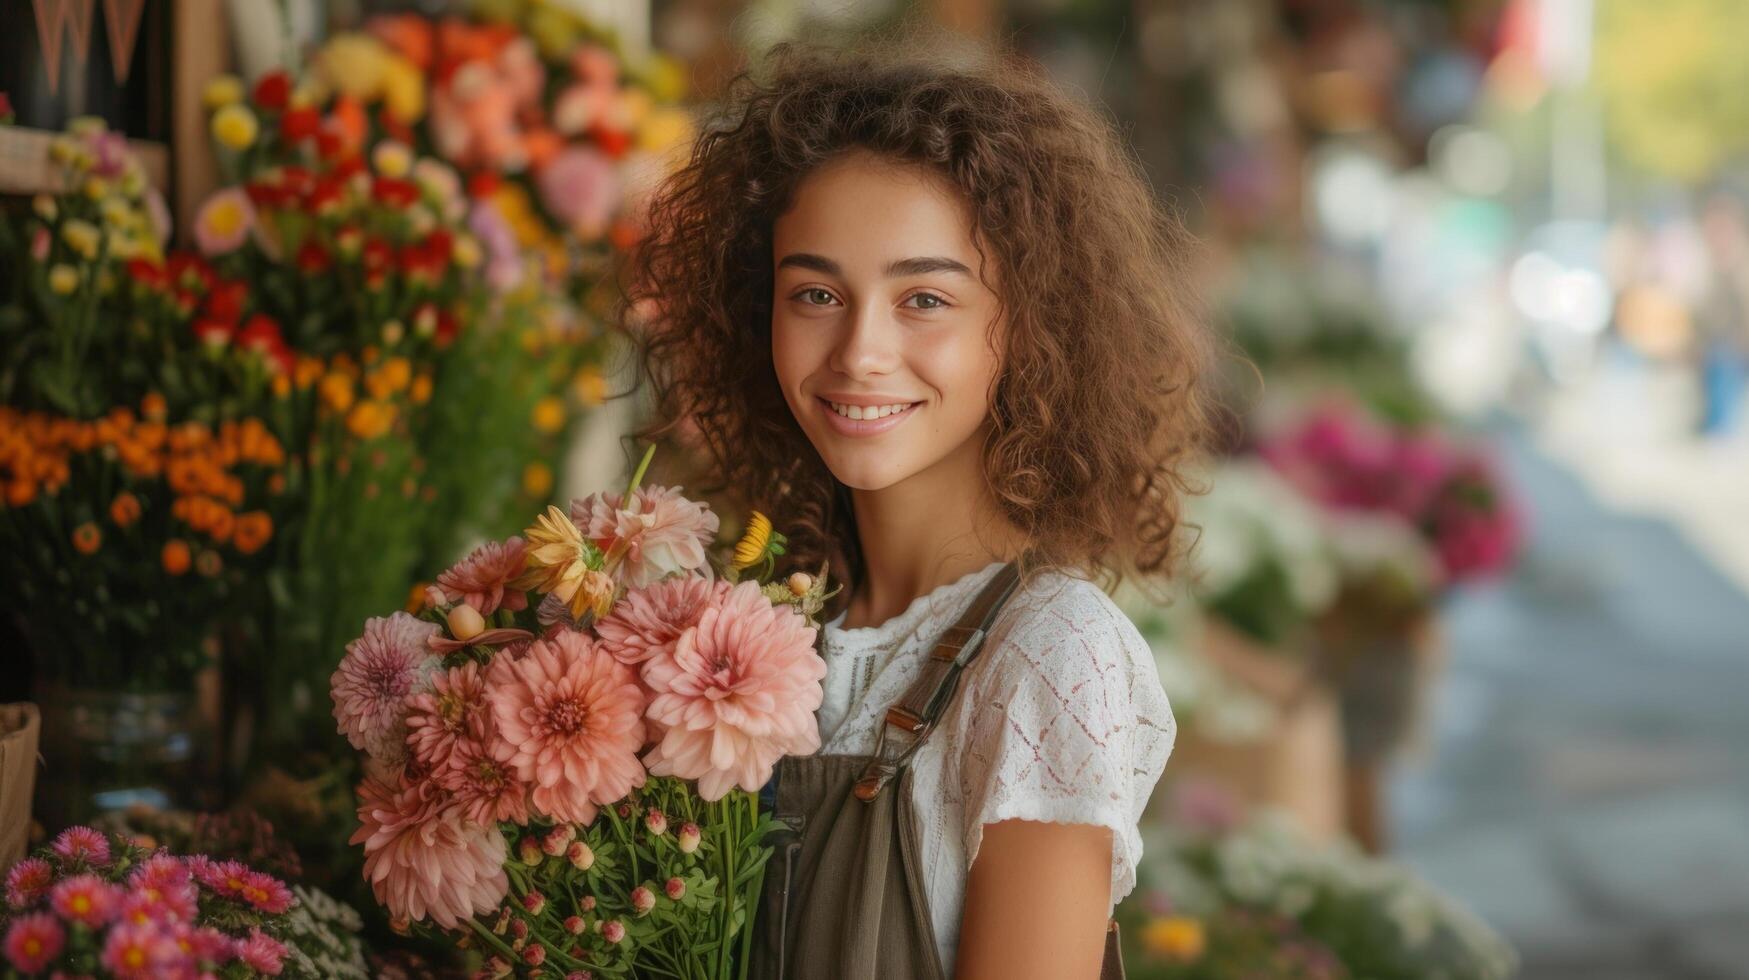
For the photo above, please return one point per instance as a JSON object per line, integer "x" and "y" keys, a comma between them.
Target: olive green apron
{"x": 843, "y": 896}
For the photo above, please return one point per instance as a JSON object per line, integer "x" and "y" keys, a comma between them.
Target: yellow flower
{"x": 559, "y": 563}
{"x": 234, "y": 126}
{"x": 467, "y": 251}
{"x": 590, "y": 385}
{"x": 754, "y": 540}
{"x": 421, "y": 390}
{"x": 336, "y": 392}
{"x": 537, "y": 480}
{"x": 1175, "y": 937}
{"x": 83, "y": 237}
{"x": 370, "y": 419}
{"x": 353, "y": 64}
{"x": 63, "y": 279}
{"x": 549, "y": 414}
{"x": 403, "y": 90}
{"x": 87, "y": 126}
{"x": 117, "y": 213}
{"x": 222, "y": 91}
{"x": 392, "y": 158}
{"x": 96, "y": 188}
{"x": 44, "y": 206}
{"x": 665, "y": 128}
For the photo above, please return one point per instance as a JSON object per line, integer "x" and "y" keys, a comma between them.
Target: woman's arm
{"x": 1037, "y": 901}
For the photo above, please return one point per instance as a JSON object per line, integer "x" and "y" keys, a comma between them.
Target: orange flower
{"x": 175, "y": 556}
{"x": 336, "y": 392}
{"x": 124, "y": 509}
{"x": 221, "y": 524}
{"x": 370, "y": 419}
{"x": 20, "y": 492}
{"x": 415, "y": 599}
{"x": 152, "y": 406}
{"x": 253, "y": 531}
{"x": 87, "y": 538}
{"x": 421, "y": 391}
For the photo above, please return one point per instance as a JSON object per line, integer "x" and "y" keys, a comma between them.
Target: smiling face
{"x": 884, "y": 339}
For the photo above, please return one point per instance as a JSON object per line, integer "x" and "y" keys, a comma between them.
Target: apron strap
{"x": 910, "y": 720}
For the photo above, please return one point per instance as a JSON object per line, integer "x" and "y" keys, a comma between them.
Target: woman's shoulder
{"x": 1063, "y": 628}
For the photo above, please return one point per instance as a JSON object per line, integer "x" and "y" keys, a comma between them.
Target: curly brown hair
{"x": 1105, "y": 399}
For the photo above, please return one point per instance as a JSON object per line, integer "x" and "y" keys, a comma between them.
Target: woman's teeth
{"x": 868, "y": 411}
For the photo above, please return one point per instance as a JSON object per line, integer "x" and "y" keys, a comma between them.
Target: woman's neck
{"x": 924, "y": 532}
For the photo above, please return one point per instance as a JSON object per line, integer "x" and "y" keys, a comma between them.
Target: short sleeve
{"x": 1064, "y": 720}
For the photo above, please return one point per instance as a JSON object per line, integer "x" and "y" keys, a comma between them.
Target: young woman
{"x": 921, "y": 306}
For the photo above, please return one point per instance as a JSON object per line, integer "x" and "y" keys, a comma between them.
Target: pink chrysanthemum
{"x": 423, "y": 859}
{"x": 737, "y": 693}
{"x": 646, "y": 621}
{"x": 265, "y": 893}
{"x": 33, "y": 942}
{"x": 370, "y": 688}
{"x": 485, "y": 789}
{"x": 207, "y": 944}
{"x": 28, "y": 882}
{"x": 660, "y": 534}
{"x": 149, "y": 903}
{"x": 569, "y": 722}
{"x": 83, "y": 845}
{"x": 453, "y": 711}
{"x": 261, "y": 952}
{"x": 142, "y": 951}
{"x": 481, "y": 578}
{"x": 85, "y": 899}
{"x": 161, "y": 871}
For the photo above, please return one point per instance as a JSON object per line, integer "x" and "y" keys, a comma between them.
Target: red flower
{"x": 299, "y": 125}
{"x": 377, "y": 255}
{"x": 446, "y": 327}
{"x": 441, "y": 245}
{"x": 325, "y": 196}
{"x": 330, "y": 144}
{"x": 147, "y": 273}
{"x": 273, "y": 91}
{"x": 212, "y": 333}
{"x": 189, "y": 271}
{"x": 312, "y": 258}
{"x": 263, "y": 194}
{"x": 483, "y": 184}
{"x": 348, "y": 168}
{"x": 261, "y": 334}
{"x": 295, "y": 179}
{"x": 613, "y": 142}
{"x": 394, "y": 192}
{"x": 415, "y": 260}
{"x": 225, "y": 301}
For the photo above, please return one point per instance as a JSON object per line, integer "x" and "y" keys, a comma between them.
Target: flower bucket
{"x": 1382, "y": 681}
{"x": 20, "y": 730}
{"x": 107, "y": 750}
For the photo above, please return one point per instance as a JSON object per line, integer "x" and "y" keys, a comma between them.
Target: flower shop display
{"x": 94, "y": 904}
{"x": 1223, "y": 896}
{"x": 563, "y": 745}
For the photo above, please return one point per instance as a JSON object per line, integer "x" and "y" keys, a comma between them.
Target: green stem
{"x": 638, "y": 476}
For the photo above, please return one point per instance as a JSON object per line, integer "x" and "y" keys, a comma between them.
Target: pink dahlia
{"x": 143, "y": 951}
{"x": 480, "y": 579}
{"x": 82, "y": 845}
{"x": 86, "y": 899}
{"x": 661, "y": 533}
{"x": 453, "y": 711}
{"x": 570, "y": 723}
{"x": 261, "y": 953}
{"x": 381, "y": 668}
{"x": 646, "y": 621}
{"x": 485, "y": 789}
{"x": 28, "y": 881}
{"x": 737, "y": 693}
{"x": 33, "y": 942}
{"x": 423, "y": 859}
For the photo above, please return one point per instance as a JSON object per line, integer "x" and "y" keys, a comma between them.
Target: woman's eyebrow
{"x": 918, "y": 266}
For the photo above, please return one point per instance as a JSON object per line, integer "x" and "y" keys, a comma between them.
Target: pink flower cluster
{"x": 147, "y": 923}
{"x": 1449, "y": 492}
{"x": 687, "y": 676}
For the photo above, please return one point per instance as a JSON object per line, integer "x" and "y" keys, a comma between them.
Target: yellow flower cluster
{"x": 1175, "y": 937}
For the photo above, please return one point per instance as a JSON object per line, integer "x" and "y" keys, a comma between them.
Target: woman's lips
{"x": 863, "y": 427}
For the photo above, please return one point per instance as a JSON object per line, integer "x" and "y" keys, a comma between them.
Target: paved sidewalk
{"x": 1587, "y": 784}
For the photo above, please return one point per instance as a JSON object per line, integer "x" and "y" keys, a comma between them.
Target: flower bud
{"x": 675, "y": 889}
{"x": 558, "y": 839}
{"x": 465, "y": 622}
{"x": 503, "y": 922}
{"x": 643, "y": 900}
{"x": 401, "y": 926}
{"x": 689, "y": 837}
{"x": 579, "y": 975}
{"x": 534, "y": 902}
{"x": 575, "y": 925}
{"x": 535, "y": 955}
{"x": 498, "y": 966}
{"x": 800, "y": 583}
{"x": 624, "y": 810}
{"x": 613, "y": 931}
{"x": 519, "y": 928}
{"x": 656, "y": 822}
{"x": 435, "y": 598}
{"x": 529, "y": 850}
{"x": 587, "y": 903}
{"x": 582, "y": 858}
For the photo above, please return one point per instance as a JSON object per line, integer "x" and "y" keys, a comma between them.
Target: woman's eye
{"x": 816, "y": 291}
{"x": 936, "y": 300}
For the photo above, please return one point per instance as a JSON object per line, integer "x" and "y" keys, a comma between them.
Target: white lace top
{"x": 1061, "y": 719}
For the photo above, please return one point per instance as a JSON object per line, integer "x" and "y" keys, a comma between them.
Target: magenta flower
{"x": 33, "y": 942}
{"x": 453, "y": 711}
{"x": 370, "y": 688}
{"x": 660, "y": 534}
{"x": 737, "y": 693}
{"x": 141, "y": 951}
{"x": 646, "y": 621}
{"x": 570, "y": 723}
{"x": 261, "y": 952}
{"x": 82, "y": 845}
{"x": 423, "y": 860}
{"x": 266, "y": 893}
{"x": 85, "y": 899}
{"x": 28, "y": 882}
{"x": 481, "y": 578}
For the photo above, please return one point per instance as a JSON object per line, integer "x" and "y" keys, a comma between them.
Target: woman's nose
{"x": 868, "y": 344}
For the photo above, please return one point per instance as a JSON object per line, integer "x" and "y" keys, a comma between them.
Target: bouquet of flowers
{"x": 93, "y": 904}
{"x": 563, "y": 747}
